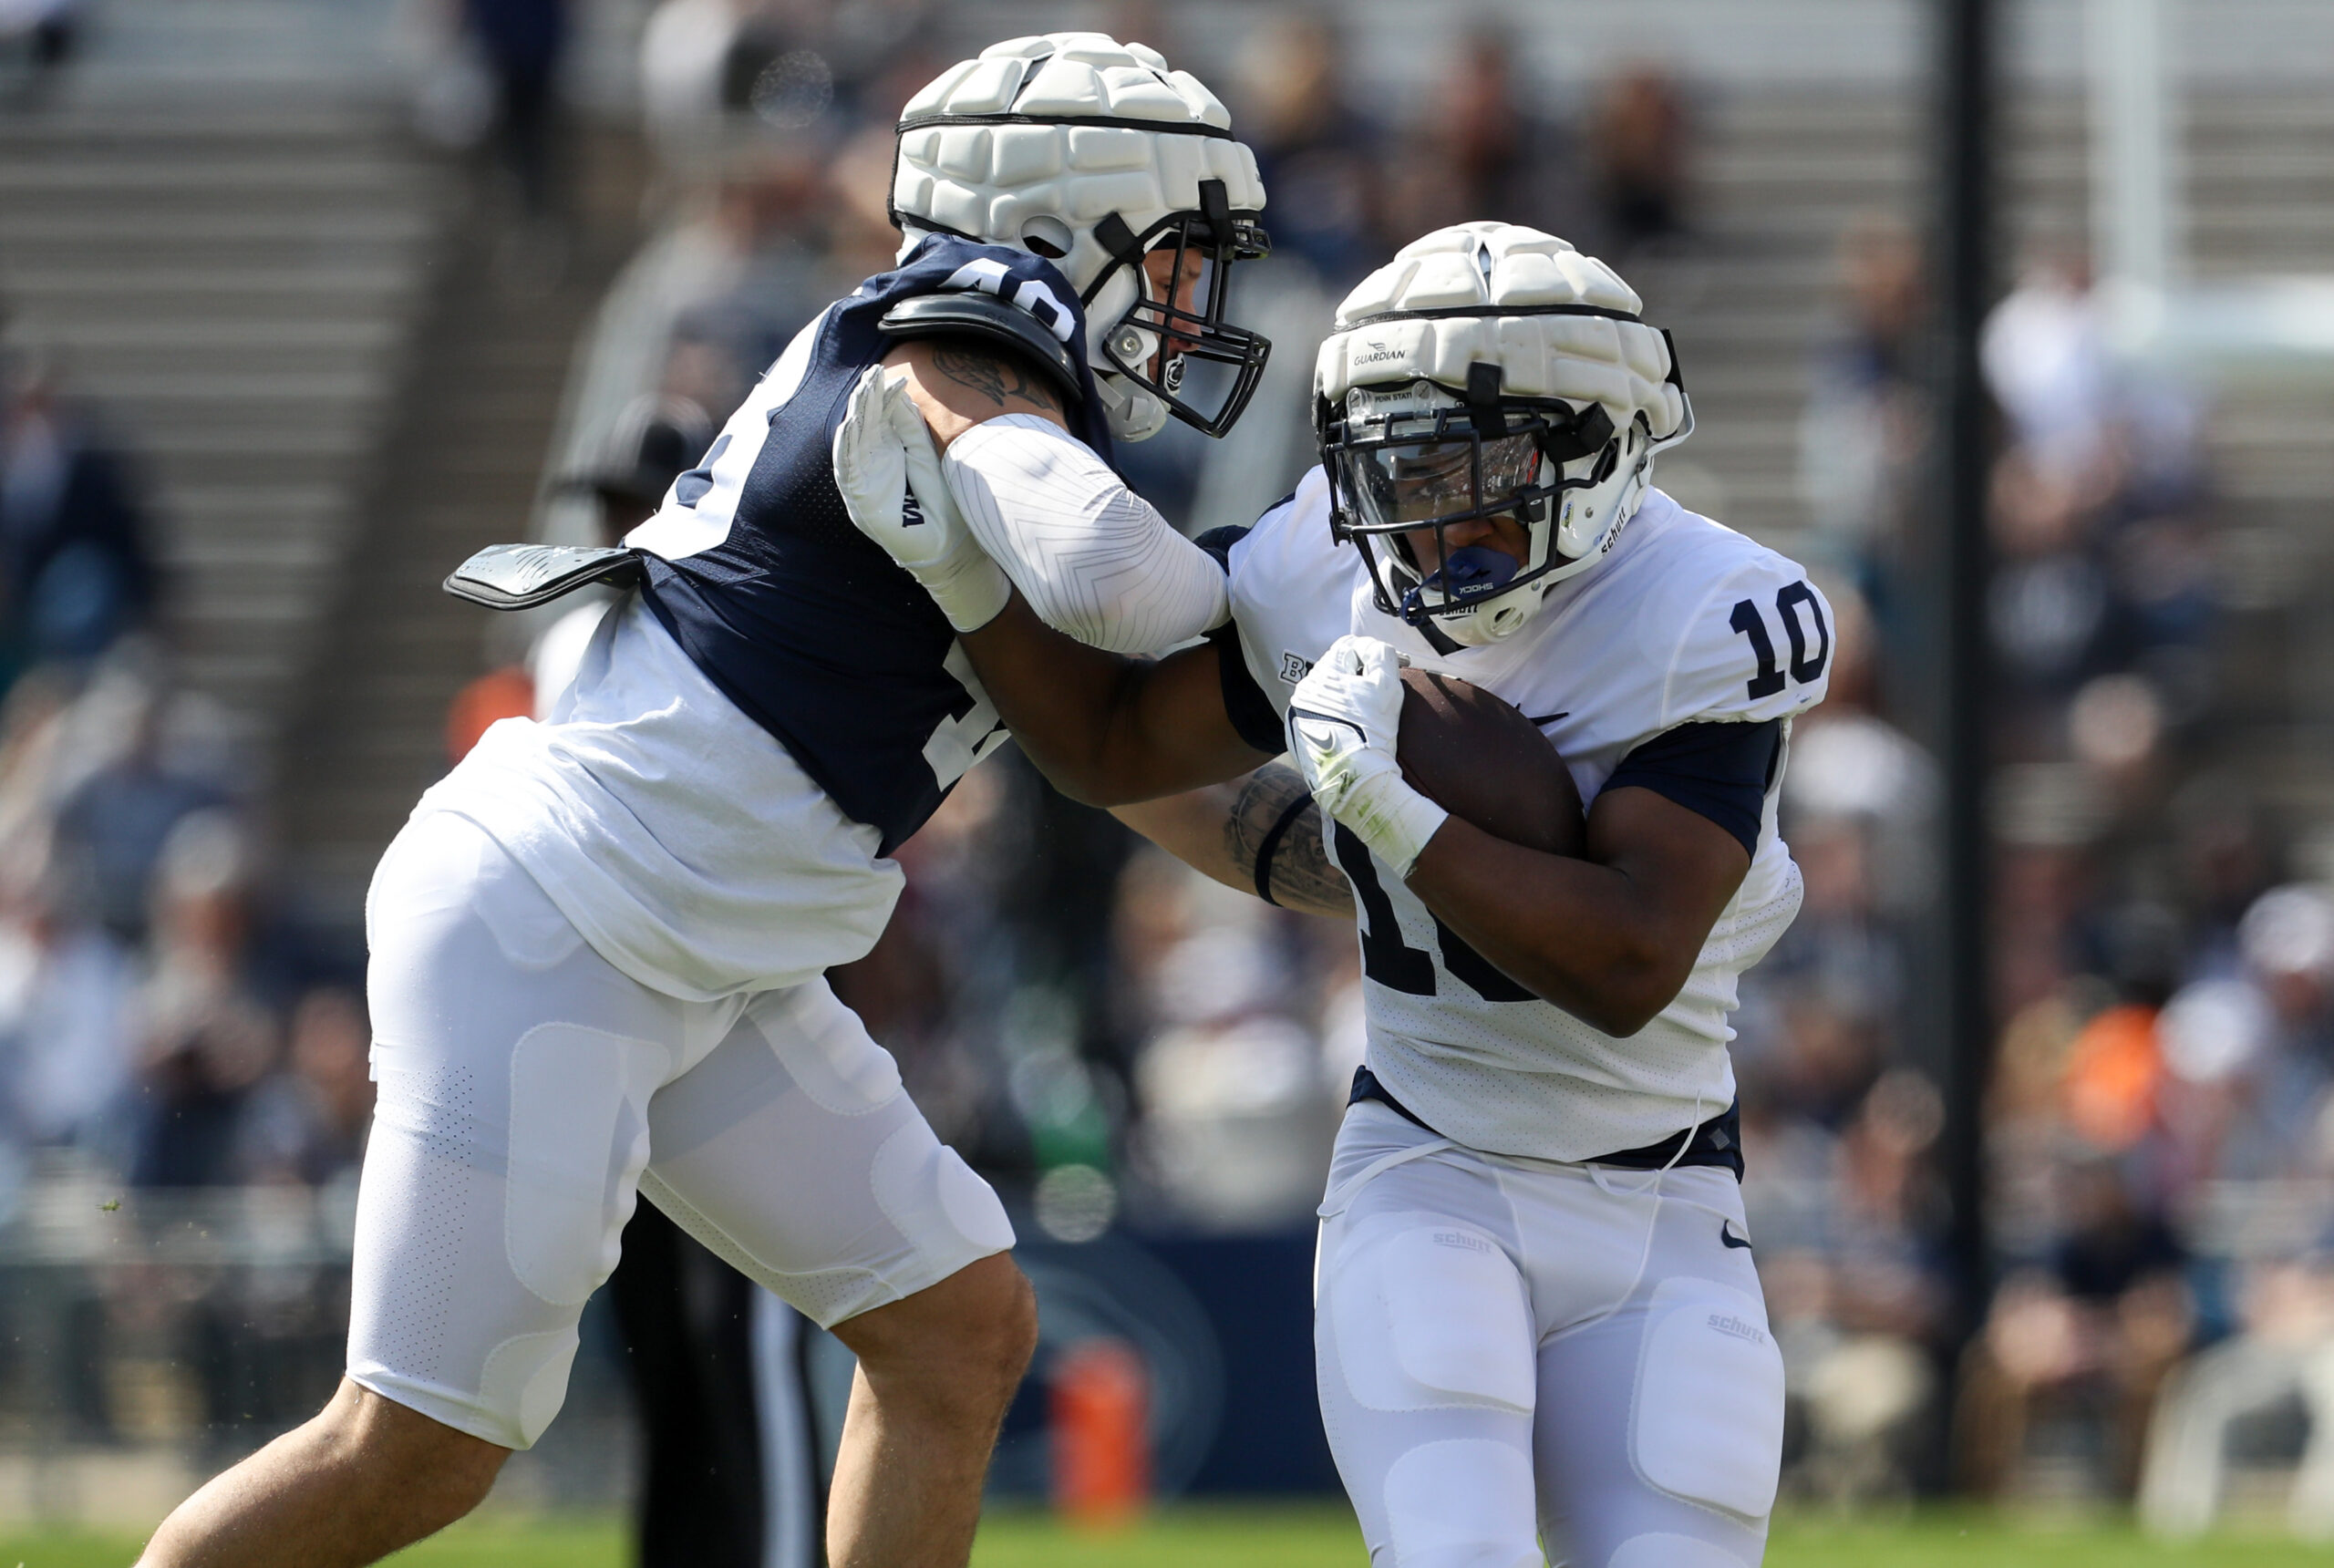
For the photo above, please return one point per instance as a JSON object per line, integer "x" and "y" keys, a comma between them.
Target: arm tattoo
{"x": 1276, "y": 822}
{"x": 992, "y": 376}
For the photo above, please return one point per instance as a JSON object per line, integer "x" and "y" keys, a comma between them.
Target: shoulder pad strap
{"x": 971, "y": 315}
{"x": 1218, "y": 543}
{"x": 521, "y": 576}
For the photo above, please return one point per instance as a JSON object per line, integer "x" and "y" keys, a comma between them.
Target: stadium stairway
{"x": 1781, "y": 174}
{"x": 462, "y": 469}
{"x": 335, "y": 368}
{"x": 231, "y": 286}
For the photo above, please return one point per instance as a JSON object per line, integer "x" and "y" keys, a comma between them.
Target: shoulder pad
{"x": 521, "y": 576}
{"x": 1758, "y": 646}
{"x": 972, "y": 315}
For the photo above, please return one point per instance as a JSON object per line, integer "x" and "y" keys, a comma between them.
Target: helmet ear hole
{"x": 1048, "y": 236}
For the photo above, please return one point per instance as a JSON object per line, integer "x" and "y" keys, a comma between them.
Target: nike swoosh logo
{"x": 1543, "y": 719}
{"x": 1726, "y": 1233}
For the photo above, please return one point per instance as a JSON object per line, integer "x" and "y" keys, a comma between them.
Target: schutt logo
{"x": 1727, "y": 1323}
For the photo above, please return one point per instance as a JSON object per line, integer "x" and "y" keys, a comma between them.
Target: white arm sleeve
{"x": 1095, "y": 559}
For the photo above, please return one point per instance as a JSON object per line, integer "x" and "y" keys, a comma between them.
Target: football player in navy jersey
{"x": 598, "y": 945}
{"x": 1537, "y": 1325}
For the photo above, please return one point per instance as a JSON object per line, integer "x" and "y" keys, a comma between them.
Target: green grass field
{"x": 1318, "y": 1537}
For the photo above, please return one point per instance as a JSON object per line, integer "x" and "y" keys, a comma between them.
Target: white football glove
{"x": 1343, "y": 723}
{"x": 890, "y": 477}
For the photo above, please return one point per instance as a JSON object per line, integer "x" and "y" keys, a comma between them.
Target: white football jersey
{"x": 1683, "y": 621}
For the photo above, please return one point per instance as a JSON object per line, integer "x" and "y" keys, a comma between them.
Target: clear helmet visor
{"x": 1421, "y": 472}
{"x": 1422, "y": 482}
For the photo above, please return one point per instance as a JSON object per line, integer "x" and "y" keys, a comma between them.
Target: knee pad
{"x": 1663, "y": 1550}
{"x": 1706, "y": 1424}
{"x": 1462, "y": 1502}
{"x": 525, "y": 1379}
{"x": 925, "y": 1188}
{"x": 1431, "y": 1314}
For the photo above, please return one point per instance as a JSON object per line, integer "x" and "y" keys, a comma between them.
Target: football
{"x": 1478, "y": 757}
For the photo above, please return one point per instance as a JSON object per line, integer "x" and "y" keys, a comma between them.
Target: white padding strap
{"x": 1095, "y": 559}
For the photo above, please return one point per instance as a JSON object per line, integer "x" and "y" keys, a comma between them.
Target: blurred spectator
{"x": 1480, "y": 151}
{"x": 1319, "y": 158}
{"x": 307, "y": 1126}
{"x": 37, "y": 38}
{"x": 657, "y": 439}
{"x": 2088, "y": 1338}
{"x": 860, "y": 241}
{"x": 1638, "y": 142}
{"x": 1864, "y": 423}
{"x": 762, "y": 276}
{"x": 112, "y": 826}
{"x": 209, "y": 1040}
{"x": 522, "y": 41}
{"x": 2047, "y": 366}
{"x": 76, "y": 571}
{"x": 683, "y": 47}
{"x": 1845, "y": 1222}
{"x": 1220, "y": 993}
{"x": 65, "y": 1021}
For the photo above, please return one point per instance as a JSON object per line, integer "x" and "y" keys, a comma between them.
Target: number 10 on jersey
{"x": 1798, "y": 609}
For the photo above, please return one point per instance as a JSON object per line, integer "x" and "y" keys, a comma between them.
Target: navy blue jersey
{"x": 802, "y": 620}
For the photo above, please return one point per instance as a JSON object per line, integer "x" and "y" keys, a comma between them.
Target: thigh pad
{"x": 1429, "y": 1313}
{"x": 1707, "y": 1420}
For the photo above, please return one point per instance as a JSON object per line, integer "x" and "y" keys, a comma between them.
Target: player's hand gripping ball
{"x": 1343, "y": 720}
{"x": 1390, "y": 753}
{"x": 1479, "y": 757}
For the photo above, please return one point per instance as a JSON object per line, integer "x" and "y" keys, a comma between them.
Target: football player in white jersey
{"x": 597, "y": 947}
{"x": 1537, "y": 1321}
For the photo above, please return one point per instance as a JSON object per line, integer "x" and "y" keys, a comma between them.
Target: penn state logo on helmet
{"x": 1490, "y": 372}
{"x": 1094, "y": 154}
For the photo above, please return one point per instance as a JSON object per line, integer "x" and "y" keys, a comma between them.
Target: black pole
{"x": 1964, "y": 253}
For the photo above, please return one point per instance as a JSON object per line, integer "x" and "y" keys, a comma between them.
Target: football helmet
{"x": 1489, "y": 371}
{"x": 1093, "y": 153}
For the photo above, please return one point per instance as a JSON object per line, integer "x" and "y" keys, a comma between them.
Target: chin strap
{"x": 1134, "y": 415}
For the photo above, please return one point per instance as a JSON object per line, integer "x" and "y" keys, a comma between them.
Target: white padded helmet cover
{"x": 1624, "y": 365}
{"x": 990, "y": 181}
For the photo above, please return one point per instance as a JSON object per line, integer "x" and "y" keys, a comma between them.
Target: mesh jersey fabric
{"x": 685, "y": 842}
{"x": 1653, "y": 639}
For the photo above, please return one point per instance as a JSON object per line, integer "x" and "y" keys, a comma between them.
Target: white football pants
{"x": 1519, "y": 1352}
{"x": 528, "y": 1090}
